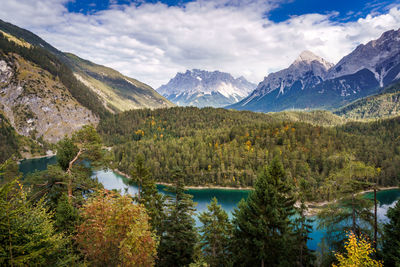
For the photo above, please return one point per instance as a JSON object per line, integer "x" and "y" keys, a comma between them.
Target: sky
{"x": 153, "y": 40}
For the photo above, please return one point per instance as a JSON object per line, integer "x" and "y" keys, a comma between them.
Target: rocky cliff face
{"x": 204, "y": 88}
{"x": 381, "y": 57}
{"x": 37, "y": 103}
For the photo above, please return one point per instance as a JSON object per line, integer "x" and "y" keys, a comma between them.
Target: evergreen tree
{"x": 391, "y": 238}
{"x": 154, "y": 202}
{"x": 139, "y": 174}
{"x": 27, "y": 233}
{"x": 88, "y": 142}
{"x": 66, "y": 151}
{"x": 179, "y": 237}
{"x": 303, "y": 255}
{"x": 9, "y": 170}
{"x": 262, "y": 228}
{"x": 66, "y": 216}
{"x": 216, "y": 233}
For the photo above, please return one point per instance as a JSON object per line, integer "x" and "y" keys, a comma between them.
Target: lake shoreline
{"x": 49, "y": 155}
{"x": 314, "y": 207}
{"x": 200, "y": 187}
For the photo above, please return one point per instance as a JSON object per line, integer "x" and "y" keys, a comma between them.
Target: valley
{"x": 209, "y": 169}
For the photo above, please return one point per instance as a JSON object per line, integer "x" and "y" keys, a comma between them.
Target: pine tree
{"x": 140, "y": 174}
{"x": 391, "y": 237}
{"x": 262, "y": 227}
{"x": 215, "y": 232}
{"x": 154, "y": 202}
{"x": 303, "y": 255}
{"x": 179, "y": 237}
{"x": 27, "y": 234}
{"x": 66, "y": 216}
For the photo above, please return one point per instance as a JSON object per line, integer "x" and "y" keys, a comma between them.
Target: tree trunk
{"x": 262, "y": 263}
{"x": 375, "y": 220}
{"x": 71, "y": 163}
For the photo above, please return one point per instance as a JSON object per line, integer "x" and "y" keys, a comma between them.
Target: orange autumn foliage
{"x": 114, "y": 231}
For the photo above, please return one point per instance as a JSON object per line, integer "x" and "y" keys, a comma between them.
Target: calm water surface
{"x": 228, "y": 199}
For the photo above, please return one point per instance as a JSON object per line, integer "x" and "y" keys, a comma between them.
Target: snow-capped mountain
{"x": 311, "y": 82}
{"x": 307, "y": 70}
{"x": 204, "y": 88}
{"x": 381, "y": 57}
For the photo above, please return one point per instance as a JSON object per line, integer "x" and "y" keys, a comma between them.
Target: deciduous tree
{"x": 114, "y": 231}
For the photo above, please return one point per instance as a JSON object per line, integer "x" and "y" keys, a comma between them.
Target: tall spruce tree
{"x": 216, "y": 233}
{"x": 303, "y": 255}
{"x": 179, "y": 236}
{"x": 27, "y": 232}
{"x": 152, "y": 200}
{"x": 140, "y": 174}
{"x": 263, "y": 232}
{"x": 391, "y": 237}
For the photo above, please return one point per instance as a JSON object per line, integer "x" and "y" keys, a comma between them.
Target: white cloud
{"x": 152, "y": 42}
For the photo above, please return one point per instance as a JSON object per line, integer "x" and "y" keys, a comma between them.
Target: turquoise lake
{"x": 228, "y": 199}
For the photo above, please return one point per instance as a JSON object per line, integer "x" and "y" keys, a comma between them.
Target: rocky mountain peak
{"x": 201, "y": 88}
{"x": 379, "y": 56}
{"x": 308, "y": 69}
{"x": 309, "y": 57}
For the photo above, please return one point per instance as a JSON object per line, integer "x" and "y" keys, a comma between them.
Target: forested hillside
{"x": 118, "y": 92}
{"x": 229, "y": 148}
{"x": 12, "y": 144}
{"x": 386, "y": 104}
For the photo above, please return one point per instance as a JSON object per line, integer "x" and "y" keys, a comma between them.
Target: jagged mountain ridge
{"x": 381, "y": 57}
{"x": 361, "y": 73}
{"x": 307, "y": 70}
{"x": 204, "y": 88}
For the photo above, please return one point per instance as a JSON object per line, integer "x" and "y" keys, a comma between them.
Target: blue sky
{"x": 347, "y": 10}
{"x": 153, "y": 40}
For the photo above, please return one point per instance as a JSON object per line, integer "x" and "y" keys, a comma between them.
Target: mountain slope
{"x": 50, "y": 59}
{"x": 118, "y": 92}
{"x": 386, "y": 104}
{"x": 203, "y": 88}
{"x": 272, "y": 94}
{"x": 361, "y": 73}
{"x": 381, "y": 57}
{"x": 37, "y": 102}
{"x": 111, "y": 92}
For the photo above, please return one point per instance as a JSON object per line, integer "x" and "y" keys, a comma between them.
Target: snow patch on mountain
{"x": 306, "y": 66}
{"x": 377, "y": 56}
{"x": 204, "y": 88}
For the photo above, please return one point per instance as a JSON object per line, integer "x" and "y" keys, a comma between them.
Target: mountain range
{"x": 202, "y": 88}
{"x": 46, "y": 93}
{"x": 310, "y": 82}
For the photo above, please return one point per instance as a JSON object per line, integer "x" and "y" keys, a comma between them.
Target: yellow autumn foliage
{"x": 358, "y": 253}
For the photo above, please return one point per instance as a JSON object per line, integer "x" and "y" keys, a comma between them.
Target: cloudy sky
{"x": 153, "y": 40}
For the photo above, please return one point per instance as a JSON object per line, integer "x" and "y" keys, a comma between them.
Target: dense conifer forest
{"x": 229, "y": 148}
